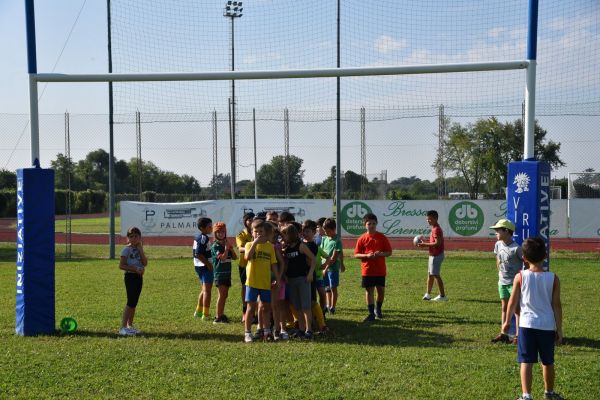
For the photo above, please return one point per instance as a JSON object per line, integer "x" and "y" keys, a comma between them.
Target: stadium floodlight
{"x": 233, "y": 10}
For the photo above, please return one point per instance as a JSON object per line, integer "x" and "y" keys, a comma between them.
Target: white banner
{"x": 585, "y": 218}
{"x": 397, "y": 218}
{"x": 458, "y": 218}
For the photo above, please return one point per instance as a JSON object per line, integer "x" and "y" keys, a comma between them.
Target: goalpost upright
{"x": 533, "y": 201}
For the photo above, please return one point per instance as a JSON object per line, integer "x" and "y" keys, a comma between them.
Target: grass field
{"x": 420, "y": 350}
{"x": 87, "y": 225}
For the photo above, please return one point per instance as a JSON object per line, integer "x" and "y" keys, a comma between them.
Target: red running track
{"x": 482, "y": 244}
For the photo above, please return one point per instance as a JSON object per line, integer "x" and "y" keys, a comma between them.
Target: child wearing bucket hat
{"x": 509, "y": 261}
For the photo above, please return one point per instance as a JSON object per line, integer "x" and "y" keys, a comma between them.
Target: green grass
{"x": 88, "y": 225}
{"x": 421, "y": 350}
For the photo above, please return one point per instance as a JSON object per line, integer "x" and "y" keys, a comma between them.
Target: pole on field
{"x": 529, "y": 123}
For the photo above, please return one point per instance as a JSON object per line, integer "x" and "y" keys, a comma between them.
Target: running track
{"x": 8, "y": 234}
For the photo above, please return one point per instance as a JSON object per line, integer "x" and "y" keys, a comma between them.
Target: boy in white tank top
{"x": 540, "y": 325}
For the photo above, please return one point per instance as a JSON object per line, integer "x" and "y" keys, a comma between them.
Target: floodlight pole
{"x": 529, "y": 123}
{"x": 232, "y": 10}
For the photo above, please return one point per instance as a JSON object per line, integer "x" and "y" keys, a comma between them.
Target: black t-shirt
{"x": 296, "y": 261}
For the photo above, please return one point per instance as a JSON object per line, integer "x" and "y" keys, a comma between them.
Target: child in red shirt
{"x": 371, "y": 248}
{"x": 436, "y": 256}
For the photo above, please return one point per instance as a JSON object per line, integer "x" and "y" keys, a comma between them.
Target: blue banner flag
{"x": 35, "y": 252}
{"x": 528, "y": 201}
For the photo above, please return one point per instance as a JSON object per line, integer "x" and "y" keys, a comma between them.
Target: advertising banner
{"x": 397, "y": 218}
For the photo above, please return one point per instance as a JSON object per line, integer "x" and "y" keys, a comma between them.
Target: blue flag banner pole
{"x": 528, "y": 201}
{"x": 35, "y": 313}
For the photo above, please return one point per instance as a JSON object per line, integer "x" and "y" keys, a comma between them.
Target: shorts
{"x": 133, "y": 286}
{"x": 205, "y": 275}
{"x": 243, "y": 275}
{"x": 252, "y": 295}
{"x": 504, "y": 291}
{"x": 331, "y": 279}
{"x": 299, "y": 290}
{"x": 223, "y": 281}
{"x": 373, "y": 281}
{"x": 319, "y": 283}
{"x": 533, "y": 342}
{"x": 435, "y": 264}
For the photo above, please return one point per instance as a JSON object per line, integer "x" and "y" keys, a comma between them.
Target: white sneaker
{"x": 427, "y": 296}
{"x": 134, "y": 330}
{"x": 440, "y": 298}
{"x": 248, "y": 337}
{"x": 126, "y": 332}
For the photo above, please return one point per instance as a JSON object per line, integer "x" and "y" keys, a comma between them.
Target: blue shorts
{"x": 331, "y": 279}
{"x": 252, "y": 294}
{"x": 533, "y": 342}
{"x": 205, "y": 275}
{"x": 319, "y": 283}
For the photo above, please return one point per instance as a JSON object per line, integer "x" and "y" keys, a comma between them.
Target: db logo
{"x": 356, "y": 210}
{"x": 466, "y": 211}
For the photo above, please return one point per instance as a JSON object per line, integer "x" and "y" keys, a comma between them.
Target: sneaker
{"x": 332, "y": 310}
{"x": 224, "y": 319}
{"x": 369, "y": 318}
{"x": 524, "y": 398}
{"x": 298, "y": 334}
{"x": 218, "y": 320}
{"x": 248, "y": 337}
{"x": 134, "y": 330}
{"x": 268, "y": 337}
{"x": 553, "y": 396}
{"x": 258, "y": 335}
{"x": 440, "y": 298}
{"x": 276, "y": 337}
{"x": 502, "y": 337}
{"x": 126, "y": 332}
{"x": 378, "y": 315}
{"x": 427, "y": 296}
{"x": 198, "y": 314}
{"x": 308, "y": 335}
{"x": 205, "y": 317}
{"x": 515, "y": 340}
{"x": 284, "y": 335}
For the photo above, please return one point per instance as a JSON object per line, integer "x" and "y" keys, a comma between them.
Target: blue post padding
{"x": 528, "y": 201}
{"x": 31, "y": 48}
{"x": 35, "y": 252}
{"x": 532, "y": 30}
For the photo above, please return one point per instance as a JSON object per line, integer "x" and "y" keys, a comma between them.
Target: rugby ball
{"x": 417, "y": 239}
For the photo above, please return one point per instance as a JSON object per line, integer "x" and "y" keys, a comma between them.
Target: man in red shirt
{"x": 436, "y": 256}
{"x": 371, "y": 248}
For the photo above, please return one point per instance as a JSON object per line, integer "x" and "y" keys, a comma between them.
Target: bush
{"x": 8, "y": 203}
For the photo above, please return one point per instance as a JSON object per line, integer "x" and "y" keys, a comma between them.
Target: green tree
{"x": 479, "y": 153}
{"x": 271, "y": 180}
{"x": 8, "y": 179}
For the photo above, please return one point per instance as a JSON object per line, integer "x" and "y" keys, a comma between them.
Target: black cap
{"x": 248, "y": 215}
{"x": 261, "y": 215}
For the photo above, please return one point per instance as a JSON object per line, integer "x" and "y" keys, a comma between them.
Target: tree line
{"x": 474, "y": 158}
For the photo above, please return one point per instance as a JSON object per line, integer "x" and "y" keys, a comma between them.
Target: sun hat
{"x": 504, "y": 223}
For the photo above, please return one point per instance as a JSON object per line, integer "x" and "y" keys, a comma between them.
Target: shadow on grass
{"x": 220, "y": 336}
{"x": 481, "y": 301}
{"x": 400, "y": 328}
{"x": 581, "y": 342}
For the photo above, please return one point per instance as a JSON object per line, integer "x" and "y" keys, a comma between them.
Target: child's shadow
{"x": 410, "y": 329}
{"x": 220, "y": 336}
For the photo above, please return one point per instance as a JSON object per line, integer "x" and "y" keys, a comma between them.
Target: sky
{"x": 72, "y": 35}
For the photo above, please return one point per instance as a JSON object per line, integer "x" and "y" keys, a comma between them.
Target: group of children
{"x": 290, "y": 274}
{"x": 283, "y": 267}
